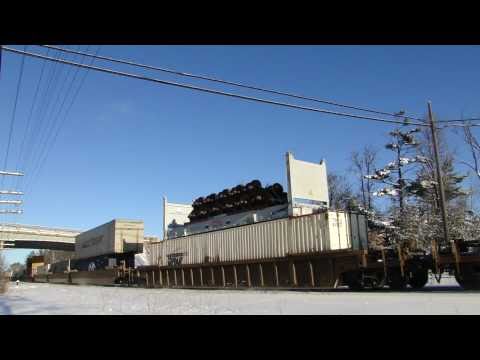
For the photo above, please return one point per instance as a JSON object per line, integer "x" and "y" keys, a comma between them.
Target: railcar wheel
{"x": 354, "y": 280}
{"x": 396, "y": 281}
{"x": 470, "y": 279}
{"x": 418, "y": 278}
{"x": 380, "y": 281}
{"x": 374, "y": 281}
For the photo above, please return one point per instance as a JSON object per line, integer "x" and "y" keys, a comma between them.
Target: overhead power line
{"x": 52, "y": 94}
{"x": 40, "y": 125}
{"x": 54, "y": 112}
{"x": 43, "y": 160}
{"x": 458, "y": 120}
{"x": 459, "y": 125}
{"x": 29, "y": 118}
{"x": 12, "y": 122}
{"x": 51, "y": 105}
{"x": 14, "y": 112}
{"x": 211, "y": 91}
{"x": 226, "y": 82}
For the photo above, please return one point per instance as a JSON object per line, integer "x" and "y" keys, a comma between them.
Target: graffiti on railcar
{"x": 175, "y": 259}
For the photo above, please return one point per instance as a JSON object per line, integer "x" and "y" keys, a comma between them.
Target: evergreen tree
{"x": 415, "y": 212}
{"x": 402, "y": 187}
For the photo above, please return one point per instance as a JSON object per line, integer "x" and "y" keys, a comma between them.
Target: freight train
{"x": 252, "y": 236}
{"x": 100, "y": 254}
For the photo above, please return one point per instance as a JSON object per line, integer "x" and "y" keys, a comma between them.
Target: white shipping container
{"x": 332, "y": 230}
{"x": 116, "y": 236}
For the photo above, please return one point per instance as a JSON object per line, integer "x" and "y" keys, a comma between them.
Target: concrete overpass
{"x": 16, "y": 236}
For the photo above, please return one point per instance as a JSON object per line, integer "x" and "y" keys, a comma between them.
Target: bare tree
{"x": 17, "y": 269}
{"x": 363, "y": 163}
{"x": 339, "y": 191}
{"x": 474, "y": 148}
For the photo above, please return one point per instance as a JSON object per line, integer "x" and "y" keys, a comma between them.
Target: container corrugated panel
{"x": 252, "y": 241}
{"x": 308, "y": 234}
{"x": 272, "y": 239}
{"x": 155, "y": 253}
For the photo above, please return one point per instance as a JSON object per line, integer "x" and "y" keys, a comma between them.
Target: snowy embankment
{"x": 31, "y": 298}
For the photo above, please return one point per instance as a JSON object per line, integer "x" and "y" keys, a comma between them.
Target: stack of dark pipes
{"x": 240, "y": 198}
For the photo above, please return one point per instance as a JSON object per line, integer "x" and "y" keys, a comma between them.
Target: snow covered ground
{"x": 29, "y": 298}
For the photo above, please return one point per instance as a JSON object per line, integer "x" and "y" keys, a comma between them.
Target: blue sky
{"x": 126, "y": 142}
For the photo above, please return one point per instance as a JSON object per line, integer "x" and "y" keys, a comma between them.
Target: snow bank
{"x": 65, "y": 299}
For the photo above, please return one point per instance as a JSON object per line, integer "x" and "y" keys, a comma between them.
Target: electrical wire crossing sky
{"x": 98, "y": 146}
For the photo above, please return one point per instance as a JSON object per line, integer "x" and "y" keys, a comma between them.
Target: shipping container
{"x": 315, "y": 233}
{"x": 116, "y": 236}
{"x": 102, "y": 262}
{"x": 94, "y": 263}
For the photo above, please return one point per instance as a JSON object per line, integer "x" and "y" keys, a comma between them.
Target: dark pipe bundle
{"x": 237, "y": 199}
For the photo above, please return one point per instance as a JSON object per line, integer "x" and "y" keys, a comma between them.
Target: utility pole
{"x": 400, "y": 179}
{"x": 10, "y": 192}
{"x": 439, "y": 172}
{"x": 9, "y": 202}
